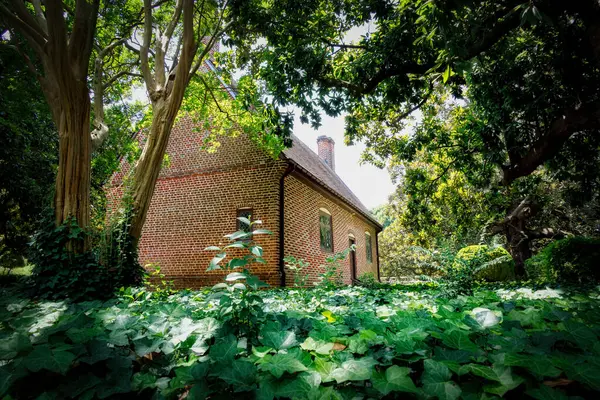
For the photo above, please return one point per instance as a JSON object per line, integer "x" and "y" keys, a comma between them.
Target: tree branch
{"x": 36, "y": 38}
{"x": 502, "y": 26}
{"x": 545, "y": 233}
{"x": 572, "y": 121}
{"x": 182, "y": 71}
{"x": 145, "y": 48}
{"x": 81, "y": 39}
{"x": 39, "y": 13}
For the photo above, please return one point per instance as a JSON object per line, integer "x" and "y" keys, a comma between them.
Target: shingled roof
{"x": 310, "y": 163}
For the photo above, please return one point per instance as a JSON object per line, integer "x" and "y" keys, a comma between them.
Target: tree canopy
{"x": 499, "y": 89}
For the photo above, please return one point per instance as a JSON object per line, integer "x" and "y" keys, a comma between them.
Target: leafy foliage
{"x": 240, "y": 306}
{"x": 60, "y": 273}
{"x": 368, "y": 280}
{"x": 28, "y": 156}
{"x": 332, "y": 277}
{"x": 312, "y": 343}
{"x": 469, "y": 103}
{"x": 487, "y": 263}
{"x": 297, "y": 266}
{"x": 573, "y": 259}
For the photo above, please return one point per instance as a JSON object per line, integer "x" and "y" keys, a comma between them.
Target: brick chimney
{"x": 325, "y": 145}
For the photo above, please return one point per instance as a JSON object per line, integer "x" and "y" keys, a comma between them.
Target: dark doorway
{"x": 352, "y": 261}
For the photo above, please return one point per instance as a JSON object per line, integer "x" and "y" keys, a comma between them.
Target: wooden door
{"x": 352, "y": 261}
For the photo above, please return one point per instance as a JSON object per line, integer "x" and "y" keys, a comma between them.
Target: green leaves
{"x": 42, "y": 357}
{"x": 278, "y": 364}
{"x": 169, "y": 346}
{"x": 395, "y": 379}
{"x": 279, "y": 340}
{"x": 224, "y": 350}
{"x": 240, "y": 374}
{"x": 436, "y": 381}
{"x": 458, "y": 339}
{"x": 354, "y": 370}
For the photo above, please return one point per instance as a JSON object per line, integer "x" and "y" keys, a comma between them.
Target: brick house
{"x": 298, "y": 196}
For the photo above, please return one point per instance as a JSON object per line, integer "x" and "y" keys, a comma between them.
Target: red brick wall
{"x": 196, "y": 201}
{"x": 197, "y": 197}
{"x": 301, "y": 234}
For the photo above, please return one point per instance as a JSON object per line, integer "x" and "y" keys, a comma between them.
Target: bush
{"x": 60, "y": 273}
{"x": 574, "y": 259}
{"x": 487, "y": 263}
{"x": 369, "y": 281}
{"x": 298, "y": 266}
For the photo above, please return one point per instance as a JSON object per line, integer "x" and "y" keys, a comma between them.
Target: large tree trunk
{"x": 519, "y": 237}
{"x": 518, "y": 245}
{"x": 72, "y": 190}
{"x": 149, "y": 165}
{"x": 166, "y": 95}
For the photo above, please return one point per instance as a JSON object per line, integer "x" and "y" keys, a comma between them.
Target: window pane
{"x": 369, "y": 248}
{"x": 242, "y": 226}
{"x": 325, "y": 230}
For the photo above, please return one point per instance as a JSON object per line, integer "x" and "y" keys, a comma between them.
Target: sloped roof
{"x": 302, "y": 156}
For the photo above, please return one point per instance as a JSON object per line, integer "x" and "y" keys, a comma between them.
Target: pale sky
{"x": 370, "y": 184}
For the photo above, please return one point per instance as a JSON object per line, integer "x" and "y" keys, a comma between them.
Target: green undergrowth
{"x": 345, "y": 343}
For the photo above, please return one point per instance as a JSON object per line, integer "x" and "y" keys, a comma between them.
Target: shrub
{"x": 332, "y": 276}
{"x": 240, "y": 305}
{"x": 369, "y": 281}
{"x": 60, "y": 273}
{"x": 487, "y": 263}
{"x": 297, "y": 266}
{"x": 574, "y": 259}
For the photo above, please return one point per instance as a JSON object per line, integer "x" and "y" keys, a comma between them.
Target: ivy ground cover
{"x": 349, "y": 343}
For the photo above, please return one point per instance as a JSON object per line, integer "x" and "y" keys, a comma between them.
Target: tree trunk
{"x": 513, "y": 227}
{"x": 518, "y": 246}
{"x": 72, "y": 188}
{"x": 149, "y": 165}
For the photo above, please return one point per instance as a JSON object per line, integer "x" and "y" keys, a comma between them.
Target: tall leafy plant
{"x": 241, "y": 308}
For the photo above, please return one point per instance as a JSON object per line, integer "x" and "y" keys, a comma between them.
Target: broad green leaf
{"x": 279, "y": 340}
{"x": 12, "y": 345}
{"x": 580, "y": 334}
{"x": 238, "y": 235}
{"x": 234, "y": 276}
{"x": 5, "y": 380}
{"x": 145, "y": 346}
{"x": 395, "y": 379}
{"x": 446, "y": 74}
{"x": 52, "y": 360}
{"x": 280, "y": 363}
{"x": 458, "y": 339}
{"x": 586, "y": 373}
{"x": 318, "y": 346}
{"x": 325, "y": 369}
{"x": 530, "y": 317}
{"x": 214, "y": 263}
{"x": 244, "y": 220}
{"x": 354, "y": 370}
{"x": 224, "y": 350}
{"x": 540, "y": 365}
{"x": 294, "y": 389}
{"x": 237, "y": 263}
{"x": 262, "y": 232}
{"x": 240, "y": 374}
{"x": 436, "y": 381}
{"x": 506, "y": 378}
